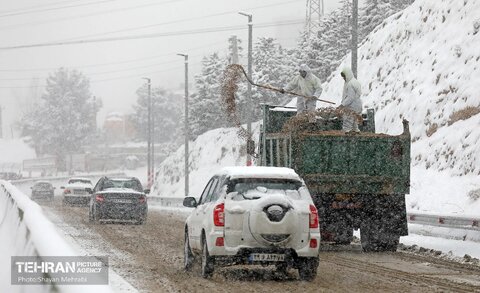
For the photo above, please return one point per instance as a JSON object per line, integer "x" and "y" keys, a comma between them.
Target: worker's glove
{"x": 282, "y": 91}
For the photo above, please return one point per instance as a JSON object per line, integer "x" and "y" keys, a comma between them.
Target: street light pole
{"x": 186, "y": 125}
{"x": 249, "y": 86}
{"x": 149, "y": 133}
{"x": 354, "y": 37}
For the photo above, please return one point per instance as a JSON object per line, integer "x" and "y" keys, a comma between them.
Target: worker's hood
{"x": 348, "y": 74}
{"x": 304, "y": 67}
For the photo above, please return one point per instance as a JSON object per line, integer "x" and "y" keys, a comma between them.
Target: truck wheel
{"x": 207, "y": 261}
{"x": 374, "y": 239}
{"x": 188, "y": 258}
{"x": 307, "y": 268}
{"x": 344, "y": 234}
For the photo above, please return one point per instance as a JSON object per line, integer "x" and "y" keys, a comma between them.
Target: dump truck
{"x": 358, "y": 180}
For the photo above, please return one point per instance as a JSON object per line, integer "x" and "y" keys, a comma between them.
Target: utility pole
{"x": 152, "y": 129}
{"x": 1, "y": 122}
{"x": 354, "y": 37}
{"x": 249, "y": 86}
{"x": 149, "y": 133}
{"x": 234, "y": 43}
{"x": 186, "y": 124}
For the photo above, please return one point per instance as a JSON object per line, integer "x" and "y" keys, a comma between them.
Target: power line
{"x": 180, "y": 20}
{"x": 54, "y": 8}
{"x": 39, "y": 6}
{"x": 154, "y": 35}
{"x": 110, "y": 71}
{"x": 107, "y": 79}
{"x": 91, "y": 14}
{"x": 112, "y": 63}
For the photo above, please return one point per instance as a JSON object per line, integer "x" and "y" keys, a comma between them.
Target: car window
{"x": 212, "y": 189}
{"x": 255, "y": 188}
{"x": 122, "y": 183}
{"x": 218, "y": 190}
{"x": 203, "y": 197}
{"x": 98, "y": 185}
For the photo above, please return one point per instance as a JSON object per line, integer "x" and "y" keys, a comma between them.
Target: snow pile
{"x": 207, "y": 154}
{"x": 15, "y": 151}
{"x": 423, "y": 64}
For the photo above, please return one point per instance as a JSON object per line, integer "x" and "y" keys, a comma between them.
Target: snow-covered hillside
{"x": 423, "y": 64}
{"x": 208, "y": 153}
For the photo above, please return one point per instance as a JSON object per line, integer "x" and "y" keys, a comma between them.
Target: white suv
{"x": 253, "y": 215}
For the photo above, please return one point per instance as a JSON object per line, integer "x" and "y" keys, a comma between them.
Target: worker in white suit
{"x": 350, "y": 100}
{"x": 307, "y": 84}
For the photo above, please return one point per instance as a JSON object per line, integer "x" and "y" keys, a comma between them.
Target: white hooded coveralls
{"x": 308, "y": 86}
{"x": 351, "y": 100}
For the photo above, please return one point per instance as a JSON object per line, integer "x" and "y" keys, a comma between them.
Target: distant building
{"x": 118, "y": 128}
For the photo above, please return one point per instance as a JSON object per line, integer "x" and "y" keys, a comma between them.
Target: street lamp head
{"x": 245, "y": 13}
{"x": 183, "y": 55}
{"x": 147, "y": 79}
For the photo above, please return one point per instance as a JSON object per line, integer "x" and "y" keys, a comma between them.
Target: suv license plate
{"x": 266, "y": 257}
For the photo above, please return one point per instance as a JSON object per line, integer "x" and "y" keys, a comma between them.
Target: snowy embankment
{"x": 25, "y": 231}
{"x": 423, "y": 65}
{"x": 208, "y": 153}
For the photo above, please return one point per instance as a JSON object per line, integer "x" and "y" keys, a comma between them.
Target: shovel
{"x": 232, "y": 75}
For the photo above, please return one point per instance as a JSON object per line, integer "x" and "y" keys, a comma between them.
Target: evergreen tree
{"x": 166, "y": 111}
{"x": 207, "y": 111}
{"x": 64, "y": 118}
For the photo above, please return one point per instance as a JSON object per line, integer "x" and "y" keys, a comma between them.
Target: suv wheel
{"x": 188, "y": 258}
{"x": 207, "y": 260}
{"x": 307, "y": 268}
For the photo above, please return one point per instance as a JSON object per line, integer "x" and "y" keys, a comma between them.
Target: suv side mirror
{"x": 190, "y": 202}
{"x": 147, "y": 191}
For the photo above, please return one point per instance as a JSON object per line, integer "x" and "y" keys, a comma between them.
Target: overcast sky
{"x": 115, "y": 68}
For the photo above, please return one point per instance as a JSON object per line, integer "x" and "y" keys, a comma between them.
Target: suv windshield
{"x": 123, "y": 183}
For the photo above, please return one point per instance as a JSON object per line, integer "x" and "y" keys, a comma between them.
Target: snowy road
{"x": 150, "y": 258}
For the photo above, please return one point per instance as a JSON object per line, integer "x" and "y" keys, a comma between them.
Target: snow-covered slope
{"x": 423, "y": 64}
{"x": 208, "y": 153}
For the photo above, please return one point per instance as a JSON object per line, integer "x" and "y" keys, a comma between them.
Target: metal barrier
{"x": 166, "y": 201}
{"x": 445, "y": 221}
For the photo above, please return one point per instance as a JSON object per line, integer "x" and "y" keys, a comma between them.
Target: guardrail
{"x": 30, "y": 233}
{"x": 445, "y": 221}
{"x": 166, "y": 201}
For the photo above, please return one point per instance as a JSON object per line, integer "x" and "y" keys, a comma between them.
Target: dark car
{"x": 118, "y": 199}
{"x": 42, "y": 190}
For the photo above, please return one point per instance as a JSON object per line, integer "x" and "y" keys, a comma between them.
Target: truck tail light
{"x": 142, "y": 199}
{"x": 313, "y": 243}
{"x": 67, "y": 191}
{"x": 313, "y": 217}
{"x": 99, "y": 198}
{"x": 219, "y": 215}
